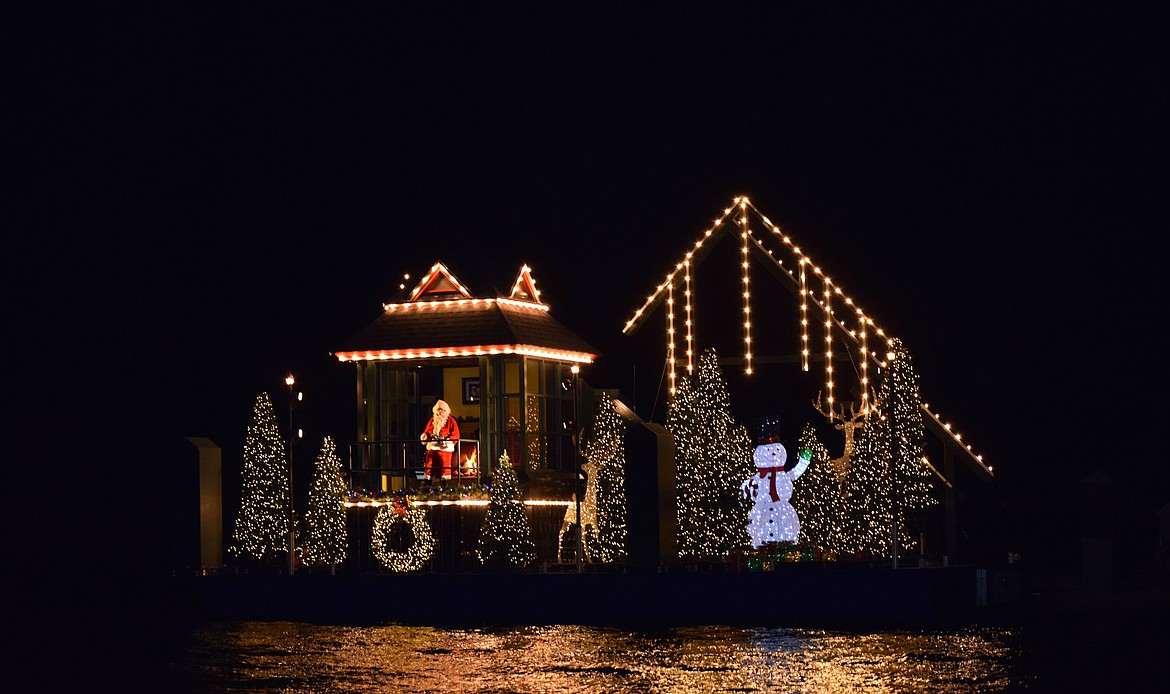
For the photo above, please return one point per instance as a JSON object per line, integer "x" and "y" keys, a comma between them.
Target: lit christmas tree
{"x": 818, "y": 500}
{"x": 606, "y": 454}
{"x": 714, "y": 456}
{"x": 263, "y": 524}
{"x": 869, "y": 517}
{"x": 874, "y": 487}
{"x": 326, "y": 541}
{"x": 913, "y": 485}
{"x": 505, "y": 540}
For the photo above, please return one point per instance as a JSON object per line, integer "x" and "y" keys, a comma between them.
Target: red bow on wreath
{"x": 400, "y": 506}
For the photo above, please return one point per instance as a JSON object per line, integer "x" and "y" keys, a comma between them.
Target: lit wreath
{"x": 419, "y": 552}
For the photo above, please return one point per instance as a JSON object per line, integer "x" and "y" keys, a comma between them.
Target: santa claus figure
{"x": 441, "y": 435}
{"x": 772, "y": 518}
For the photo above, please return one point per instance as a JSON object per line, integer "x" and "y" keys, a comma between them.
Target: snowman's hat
{"x": 769, "y": 432}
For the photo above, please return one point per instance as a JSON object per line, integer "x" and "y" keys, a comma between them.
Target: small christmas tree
{"x": 714, "y": 456}
{"x": 326, "y": 541}
{"x": 505, "y": 540}
{"x": 606, "y": 453}
{"x": 262, "y": 528}
{"x": 818, "y": 500}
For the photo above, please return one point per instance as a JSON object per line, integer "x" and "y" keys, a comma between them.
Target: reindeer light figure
{"x": 847, "y": 426}
{"x": 588, "y": 512}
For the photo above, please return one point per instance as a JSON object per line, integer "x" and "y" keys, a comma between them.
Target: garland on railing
{"x": 468, "y": 491}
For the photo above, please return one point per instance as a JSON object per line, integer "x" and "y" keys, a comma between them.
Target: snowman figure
{"x": 772, "y": 518}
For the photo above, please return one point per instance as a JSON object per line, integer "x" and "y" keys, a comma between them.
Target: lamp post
{"x": 292, "y": 517}
{"x": 895, "y": 507}
{"x": 577, "y": 455}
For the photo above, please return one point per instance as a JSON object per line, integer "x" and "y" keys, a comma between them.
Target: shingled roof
{"x": 442, "y": 320}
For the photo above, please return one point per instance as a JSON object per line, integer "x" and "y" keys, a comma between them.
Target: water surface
{"x": 287, "y": 656}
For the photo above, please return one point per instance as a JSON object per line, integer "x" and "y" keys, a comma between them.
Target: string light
{"x": 525, "y": 285}
{"x": 689, "y": 315}
{"x": 670, "y": 360}
{"x": 375, "y": 503}
{"x": 505, "y": 539}
{"x": 957, "y": 438}
{"x": 747, "y": 288}
{"x": 437, "y": 273}
{"x": 262, "y": 527}
{"x": 606, "y": 455}
{"x": 804, "y": 351}
{"x": 828, "y": 311}
{"x": 713, "y": 456}
{"x": 654, "y": 298}
{"x": 466, "y": 351}
{"x": 863, "y": 350}
{"x": 327, "y": 539}
{"x": 421, "y": 548}
{"x": 804, "y": 264}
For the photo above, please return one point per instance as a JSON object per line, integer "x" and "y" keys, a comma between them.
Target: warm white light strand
{"x": 670, "y": 277}
{"x": 803, "y": 316}
{"x": 670, "y": 353}
{"x": 827, "y": 307}
{"x": 747, "y": 288}
{"x": 804, "y": 263}
{"x": 863, "y": 350}
{"x": 690, "y": 316}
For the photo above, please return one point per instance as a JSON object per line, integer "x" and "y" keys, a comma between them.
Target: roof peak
{"x": 440, "y": 284}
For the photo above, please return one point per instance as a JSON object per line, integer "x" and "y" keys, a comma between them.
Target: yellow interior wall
{"x": 453, "y": 391}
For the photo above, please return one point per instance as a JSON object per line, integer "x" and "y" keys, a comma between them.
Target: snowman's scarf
{"x": 764, "y": 471}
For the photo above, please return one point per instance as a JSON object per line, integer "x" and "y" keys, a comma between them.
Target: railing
{"x": 397, "y": 464}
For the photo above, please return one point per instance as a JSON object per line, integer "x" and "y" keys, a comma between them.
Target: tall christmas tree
{"x": 913, "y": 488}
{"x": 869, "y": 517}
{"x": 884, "y": 487}
{"x": 505, "y": 540}
{"x": 714, "y": 457}
{"x": 818, "y": 500}
{"x": 326, "y": 541}
{"x": 606, "y": 453}
{"x": 262, "y": 527}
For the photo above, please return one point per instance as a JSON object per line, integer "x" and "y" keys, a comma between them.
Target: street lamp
{"x": 577, "y": 454}
{"x": 292, "y": 517}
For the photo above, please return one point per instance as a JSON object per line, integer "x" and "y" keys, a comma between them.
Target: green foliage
{"x": 262, "y": 527}
{"x": 867, "y": 488}
{"x": 606, "y": 455}
{"x": 714, "y": 456}
{"x": 880, "y": 482}
{"x": 505, "y": 541}
{"x": 818, "y": 500}
{"x": 326, "y": 541}
{"x": 900, "y": 389}
{"x": 416, "y": 535}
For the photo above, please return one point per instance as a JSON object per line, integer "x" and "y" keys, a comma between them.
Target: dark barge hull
{"x": 796, "y": 596}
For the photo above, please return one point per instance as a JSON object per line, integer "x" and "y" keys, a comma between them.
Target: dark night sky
{"x": 226, "y": 196}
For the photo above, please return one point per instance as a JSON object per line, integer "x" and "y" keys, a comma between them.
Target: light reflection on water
{"x": 286, "y": 656}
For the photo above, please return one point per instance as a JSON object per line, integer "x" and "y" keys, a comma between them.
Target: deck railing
{"x": 397, "y": 464}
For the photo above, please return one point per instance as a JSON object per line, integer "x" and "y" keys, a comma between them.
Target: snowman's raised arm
{"x": 802, "y": 464}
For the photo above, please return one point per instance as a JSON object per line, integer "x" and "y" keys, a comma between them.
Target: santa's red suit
{"x": 441, "y": 435}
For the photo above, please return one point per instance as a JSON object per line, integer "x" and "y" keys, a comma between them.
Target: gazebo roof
{"x": 442, "y": 319}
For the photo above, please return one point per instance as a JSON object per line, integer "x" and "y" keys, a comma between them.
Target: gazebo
{"x": 504, "y": 365}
